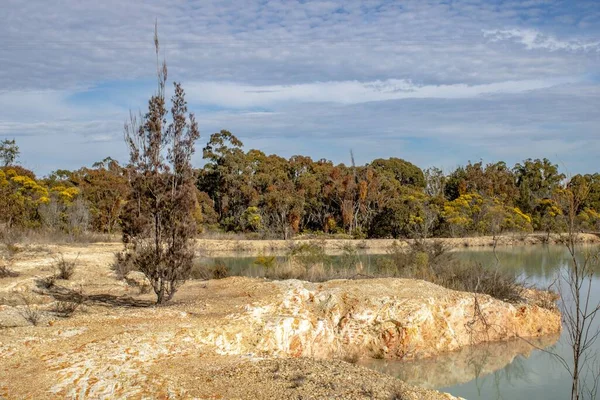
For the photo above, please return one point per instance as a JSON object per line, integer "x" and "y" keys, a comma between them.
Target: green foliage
{"x": 267, "y": 196}
{"x": 403, "y": 171}
{"x": 536, "y": 180}
{"x": 463, "y": 214}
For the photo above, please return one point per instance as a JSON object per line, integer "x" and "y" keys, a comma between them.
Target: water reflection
{"x": 540, "y": 375}
{"x": 468, "y": 364}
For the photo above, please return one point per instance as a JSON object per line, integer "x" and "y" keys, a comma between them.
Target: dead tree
{"x": 578, "y": 309}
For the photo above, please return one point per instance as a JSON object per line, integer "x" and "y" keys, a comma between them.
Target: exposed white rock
{"x": 392, "y": 318}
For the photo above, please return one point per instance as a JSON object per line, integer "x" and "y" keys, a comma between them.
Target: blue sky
{"x": 435, "y": 82}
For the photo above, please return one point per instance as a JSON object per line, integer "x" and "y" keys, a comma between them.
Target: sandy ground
{"x": 117, "y": 344}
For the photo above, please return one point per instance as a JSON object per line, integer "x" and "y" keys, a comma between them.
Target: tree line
{"x": 268, "y": 196}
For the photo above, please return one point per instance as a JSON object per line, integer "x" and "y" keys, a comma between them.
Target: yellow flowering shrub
{"x": 463, "y": 214}
{"x": 589, "y": 219}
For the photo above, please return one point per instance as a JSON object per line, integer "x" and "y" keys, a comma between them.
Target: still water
{"x": 507, "y": 370}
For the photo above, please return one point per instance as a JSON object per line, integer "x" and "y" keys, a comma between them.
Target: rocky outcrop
{"x": 382, "y": 318}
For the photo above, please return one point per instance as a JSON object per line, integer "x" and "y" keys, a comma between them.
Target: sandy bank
{"x": 333, "y": 246}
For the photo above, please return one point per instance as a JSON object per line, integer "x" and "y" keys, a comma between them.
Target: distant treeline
{"x": 268, "y": 196}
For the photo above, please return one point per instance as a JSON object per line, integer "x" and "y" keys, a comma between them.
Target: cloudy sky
{"x": 434, "y": 82}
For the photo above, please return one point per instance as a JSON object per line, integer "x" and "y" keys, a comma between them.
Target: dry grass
{"x": 45, "y": 236}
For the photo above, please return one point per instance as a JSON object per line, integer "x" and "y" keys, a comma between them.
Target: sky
{"x": 437, "y": 83}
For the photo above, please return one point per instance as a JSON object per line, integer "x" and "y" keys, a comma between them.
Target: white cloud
{"x": 533, "y": 39}
{"x": 65, "y": 43}
{"x": 228, "y": 94}
{"x": 460, "y": 77}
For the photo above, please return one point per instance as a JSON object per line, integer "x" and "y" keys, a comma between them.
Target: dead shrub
{"x": 66, "y": 308}
{"x": 30, "y": 312}
{"x": 289, "y": 269}
{"x": 6, "y": 261}
{"x": 200, "y": 271}
{"x": 297, "y": 380}
{"x": 398, "y": 394}
{"x": 351, "y": 357}
{"x": 64, "y": 269}
{"x": 317, "y": 273}
{"x": 478, "y": 279}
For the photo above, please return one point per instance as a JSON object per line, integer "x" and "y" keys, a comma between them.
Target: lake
{"x": 506, "y": 370}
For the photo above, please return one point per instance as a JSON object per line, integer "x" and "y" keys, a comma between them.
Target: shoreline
{"x": 377, "y": 246}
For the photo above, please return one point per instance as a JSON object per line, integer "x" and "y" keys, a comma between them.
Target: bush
{"x": 123, "y": 264}
{"x": 477, "y": 279}
{"x": 64, "y": 269}
{"x": 66, "y": 308}
{"x": 267, "y": 262}
{"x": 30, "y": 313}
{"x": 220, "y": 270}
{"x": 200, "y": 271}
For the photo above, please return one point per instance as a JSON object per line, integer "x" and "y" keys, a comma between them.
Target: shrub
{"x": 477, "y": 279}
{"x": 200, "y": 271}
{"x": 220, "y": 270}
{"x": 30, "y": 313}
{"x": 47, "y": 282}
{"x": 158, "y": 218}
{"x": 290, "y": 269}
{"x": 123, "y": 264}
{"x": 308, "y": 254}
{"x": 66, "y": 308}
{"x": 351, "y": 357}
{"x": 64, "y": 269}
